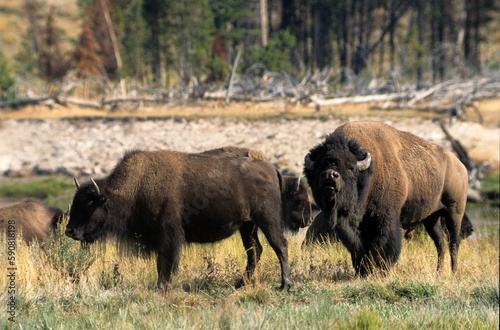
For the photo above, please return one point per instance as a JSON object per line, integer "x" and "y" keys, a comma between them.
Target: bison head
{"x": 296, "y": 204}
{"x": 87, "y": 217}
{"x": 338, "y": 171}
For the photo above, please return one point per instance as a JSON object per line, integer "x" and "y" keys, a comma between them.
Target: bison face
{"x": 87, "y": 217}
{"x": 337, "y": 170}
{"x": 297, "y": 204}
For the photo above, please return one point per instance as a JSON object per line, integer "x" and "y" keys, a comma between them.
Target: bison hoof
{"x": 241, "y": 283}
{"x": 164, "y": 286}
{"x": 285, "y": 286}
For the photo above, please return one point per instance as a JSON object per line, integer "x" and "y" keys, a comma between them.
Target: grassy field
{"x": 62, "y": 285}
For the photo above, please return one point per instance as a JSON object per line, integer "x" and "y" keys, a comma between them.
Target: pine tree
{"x": 53, "y": 64}
{"x": 86, "y": 58}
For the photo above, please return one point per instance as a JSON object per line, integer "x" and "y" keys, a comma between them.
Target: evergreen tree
{"x": 155, "y": 15}
{"x": 133, "y": 38}
{"x": 86, "y": 58}
{"x": 6, "y": 80}
{"x": 53, "y": 64}
{"x": 194, "y": 26}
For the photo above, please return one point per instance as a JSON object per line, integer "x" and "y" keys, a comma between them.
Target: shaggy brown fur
{"x": 163, "y": 199}
{"x": 34, "y": 219}
{"x": 408, "y": 181}
{"x": 297, "y": 208}
{"x": 319, "y": 231}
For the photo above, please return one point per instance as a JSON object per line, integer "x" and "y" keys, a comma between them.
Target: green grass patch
{"x": 53, "y": 190}
{"x": 491, "y": 183}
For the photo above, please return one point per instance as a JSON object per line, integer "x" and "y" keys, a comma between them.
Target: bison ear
{"x": 101, "y": 199}
{"x": 308, "y": 163}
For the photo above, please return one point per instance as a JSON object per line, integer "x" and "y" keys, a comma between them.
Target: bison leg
{"x": 382, "y": 243}
{"x": 280, "y": 246}
{"x": 248, "y": 232}
{"x": 453, "y": 223}
{"x": 319, "y": 231}
{"x": 167, "y": 263}
{"x": 435, "y": 231}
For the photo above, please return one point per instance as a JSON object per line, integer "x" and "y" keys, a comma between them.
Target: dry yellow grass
{"x": 120, "y": 289}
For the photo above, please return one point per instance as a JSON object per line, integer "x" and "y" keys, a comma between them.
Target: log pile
{"x": 453, "y": 97}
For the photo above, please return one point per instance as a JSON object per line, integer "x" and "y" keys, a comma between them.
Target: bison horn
{"x": 298, "y": 184}
{"x": 95, "y": 186}
{"x": 308, "y": 163}
{"x": 76, "y": 183}
{"x": 365, "y": 163}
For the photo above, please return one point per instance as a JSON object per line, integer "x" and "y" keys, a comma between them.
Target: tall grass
{"x": 61, "y": 284}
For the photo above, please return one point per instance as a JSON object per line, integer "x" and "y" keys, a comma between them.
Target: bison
{"x": 371, "y": 179}
{"x": 297, "y": 208}
{"x": 319, "y": 231}
{"x": 163, "y": 199}
{"x": 34, "y": 219}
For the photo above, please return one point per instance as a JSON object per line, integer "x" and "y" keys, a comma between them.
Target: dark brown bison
{"x": 35, "y": 220}
{"x": 371, "y": 179}
{"x": 319, "y": 231}
{"x": 163, "y": 199}
{"x": 297, "y": 208}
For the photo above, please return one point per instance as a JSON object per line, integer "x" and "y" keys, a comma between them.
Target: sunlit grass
{"x": 119, "y": 290}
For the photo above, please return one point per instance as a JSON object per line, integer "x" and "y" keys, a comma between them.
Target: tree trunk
{"x": 264, "y": 25}
{"x": 156, "y": 45}
{"x": 421, "y": 32}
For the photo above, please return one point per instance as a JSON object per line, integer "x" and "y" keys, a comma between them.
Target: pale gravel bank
{"x": 79, "y": 147}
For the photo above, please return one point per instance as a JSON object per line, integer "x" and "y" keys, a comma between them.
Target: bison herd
{"x": 368, "y": 179}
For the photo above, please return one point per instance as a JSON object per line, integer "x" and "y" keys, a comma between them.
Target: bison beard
{"x": 163, "y": 199}
{"x": 365, "y": 202}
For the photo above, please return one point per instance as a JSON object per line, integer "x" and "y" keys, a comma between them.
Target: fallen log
{"x": 315, "y": 100}
{"x": 82, "y": 104}
{"x": 15, "y": 104}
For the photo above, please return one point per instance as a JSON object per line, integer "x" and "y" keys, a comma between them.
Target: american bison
{"x": 163, "y": 199}
{"x": 34, "y": 219}
{"x": 371, "y": 179}
{"x": 319, "y": 231}
{"x": 297, "y": 208}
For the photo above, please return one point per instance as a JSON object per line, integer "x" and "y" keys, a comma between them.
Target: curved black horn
{"x": 365, "y": 163}
{"x": 308, "y": 163}
{"x": 95, "y": 186}
{"x": 76, "y": 183}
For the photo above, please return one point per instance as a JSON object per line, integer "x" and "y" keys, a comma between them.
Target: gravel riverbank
{"x": 91, "y": 147}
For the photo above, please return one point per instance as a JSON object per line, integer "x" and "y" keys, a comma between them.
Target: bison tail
{"x": 284, "y": 209}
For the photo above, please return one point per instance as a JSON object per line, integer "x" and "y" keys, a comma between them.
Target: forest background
{"x": 195, "y": 43}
